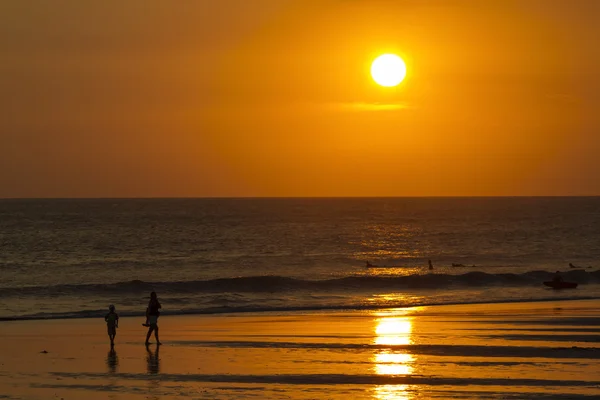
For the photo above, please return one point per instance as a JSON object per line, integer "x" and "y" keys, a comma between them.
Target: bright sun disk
{"x": 388, "y": 70}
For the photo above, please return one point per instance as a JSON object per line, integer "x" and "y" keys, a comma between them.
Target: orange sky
{"x": 274, "y": 98}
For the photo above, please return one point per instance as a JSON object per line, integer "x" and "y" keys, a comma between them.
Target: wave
{"x": 255, "y": 308}
{"x": 278, "y": 284}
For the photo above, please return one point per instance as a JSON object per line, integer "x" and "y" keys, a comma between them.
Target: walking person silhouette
{"x": 152, "y": 315}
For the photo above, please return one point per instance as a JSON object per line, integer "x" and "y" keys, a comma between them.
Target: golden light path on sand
{"x": 392, "y": 330}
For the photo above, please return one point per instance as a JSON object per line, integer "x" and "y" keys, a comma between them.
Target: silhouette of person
{"x": 153, "y": 360}
{"x": 112, "y": 361}
{"x": 430, "y": 265}
{"x": 152, "y": 315}
{"x": 112, "y": 323}
{"x": 557, "y": 277}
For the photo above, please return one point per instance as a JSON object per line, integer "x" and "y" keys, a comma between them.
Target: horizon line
{"x": 295, "y": 197}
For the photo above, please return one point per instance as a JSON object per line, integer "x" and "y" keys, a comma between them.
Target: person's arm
{"x": 117, "y": 320}
{"x": 106, "y": 318}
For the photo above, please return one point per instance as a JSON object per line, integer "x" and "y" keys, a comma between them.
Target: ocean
{"x": 71, "y": 258}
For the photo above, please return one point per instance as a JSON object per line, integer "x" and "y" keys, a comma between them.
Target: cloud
{"x": 364, "y": 106}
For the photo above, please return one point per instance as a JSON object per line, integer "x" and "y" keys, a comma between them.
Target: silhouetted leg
{"x": 156, "y": 335}
{"x": 149, "y": 333}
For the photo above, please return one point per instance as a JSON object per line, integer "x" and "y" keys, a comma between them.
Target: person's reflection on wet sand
{"x": 112, "y": 361}
{"x": 153, "y": 360}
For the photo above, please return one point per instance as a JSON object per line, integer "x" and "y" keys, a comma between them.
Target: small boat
{"x": 561, "y": 284}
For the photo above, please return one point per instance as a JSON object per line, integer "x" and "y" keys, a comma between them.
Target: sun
{"x": 388, "y": 70}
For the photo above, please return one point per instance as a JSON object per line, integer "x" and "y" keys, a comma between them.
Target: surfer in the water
{"x": 557, "y": 277}
{"x": 152, "y": 315}
{"x": 430, "y": 265}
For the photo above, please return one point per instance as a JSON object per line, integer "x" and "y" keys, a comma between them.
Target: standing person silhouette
{"x": 112, "y": 323}
{"x": 152, "y": 315}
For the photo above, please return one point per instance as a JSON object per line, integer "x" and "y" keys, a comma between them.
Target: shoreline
{"x": 292, "y": 310}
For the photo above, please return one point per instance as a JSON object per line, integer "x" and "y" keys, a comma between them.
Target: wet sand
{"x": 517, "y": 350}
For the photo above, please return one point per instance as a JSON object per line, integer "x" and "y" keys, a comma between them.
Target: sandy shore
{"x": 518, "y": 350}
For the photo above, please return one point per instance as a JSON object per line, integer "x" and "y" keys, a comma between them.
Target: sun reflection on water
{"x": 391, "y": 392}
{"x": 392, "y": 331}
{"x": 393, "y": 364}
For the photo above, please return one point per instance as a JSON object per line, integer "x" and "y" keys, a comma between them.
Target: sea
{"x": 71, "y": 258}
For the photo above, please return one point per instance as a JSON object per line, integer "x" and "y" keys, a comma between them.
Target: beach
{"x": 509, "y": 350}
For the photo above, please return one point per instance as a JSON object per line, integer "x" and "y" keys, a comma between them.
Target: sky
{"x": 203, "y": 98}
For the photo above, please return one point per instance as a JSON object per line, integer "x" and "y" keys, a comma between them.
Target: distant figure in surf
{"x": 369, "y": 265}
{"x": 430, "y": 265}
{"x": 574, "y": 266}
{"x": 112, "y": 323}
{"x": 557, "y": 277}
{"x": 152, "y": 315}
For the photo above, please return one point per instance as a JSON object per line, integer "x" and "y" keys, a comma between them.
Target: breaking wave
{"x": 279, "y": 284}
